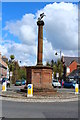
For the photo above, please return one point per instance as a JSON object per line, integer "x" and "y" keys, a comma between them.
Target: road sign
{"x": 4, "y": 86}
{"x": 76, "y": 89}
{"x": 57, "y": 75}
{"x": 30, "y": 90}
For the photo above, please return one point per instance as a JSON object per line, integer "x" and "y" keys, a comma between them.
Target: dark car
{"x": 68, "y": 84}
{"x": 18, "y": 83}
{"x": 23, "y": 82}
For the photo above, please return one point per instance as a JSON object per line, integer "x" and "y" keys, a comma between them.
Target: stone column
{"x": 40, "y": 43}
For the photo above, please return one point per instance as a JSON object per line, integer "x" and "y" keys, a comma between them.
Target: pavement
{"x": 59, "y": 96}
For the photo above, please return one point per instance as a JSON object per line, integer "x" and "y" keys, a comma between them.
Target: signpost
{"x": 10, "y": 76}
{"x": 57, "y": 75}
{"x": 76, "y": 89}
{"x": 4, "y": 86}
{"x": 30, "y": 90}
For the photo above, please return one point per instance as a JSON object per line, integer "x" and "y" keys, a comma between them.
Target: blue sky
{"x": 11, "y": 12}
{"x": 40, "y": 0}
{"x": 20, "y": 29}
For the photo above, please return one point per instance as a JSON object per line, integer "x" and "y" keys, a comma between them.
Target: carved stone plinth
{"x": 40, "y": 77}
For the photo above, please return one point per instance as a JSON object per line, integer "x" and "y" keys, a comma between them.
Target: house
{"x": 71, "y": 64}
{"x": 3, "y": 68}
{"x": 75, "y": 74}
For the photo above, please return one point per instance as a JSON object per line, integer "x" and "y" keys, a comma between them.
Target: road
{"x": 39, "y": 110}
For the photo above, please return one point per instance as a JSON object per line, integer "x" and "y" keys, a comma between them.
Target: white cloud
{"x": 24, "y": 53}
{"x": 25, "y": 29}
{"x": 60, "y": 32}
{"x": 49, "y": 52}
{"x": 61, "y": 25}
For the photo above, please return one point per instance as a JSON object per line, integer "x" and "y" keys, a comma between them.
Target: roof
{"x": 69, "y": 60}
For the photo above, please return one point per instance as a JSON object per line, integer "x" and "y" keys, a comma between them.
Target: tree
{"x": 58, "y": 68}
{"x": 12, "y": 57}
{"x": 22, "y": 73}
{"x": 10, "y": 64}
{"x": 48, "y": 64}
{"x": 52, "y": 63}
{"x": 15, "y": 72}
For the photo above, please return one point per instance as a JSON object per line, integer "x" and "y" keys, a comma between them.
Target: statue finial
{"x": 41, "y": 16}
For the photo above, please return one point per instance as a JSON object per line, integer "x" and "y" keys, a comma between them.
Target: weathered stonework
{"x": 40, "y": 77}
{"x": 3, "y": 68}
{"x": 40, "y": 43}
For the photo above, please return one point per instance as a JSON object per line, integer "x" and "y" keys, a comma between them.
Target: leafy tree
{"x": 22, "y": 73}
{"x": 52, "y": 63}
{"x": 58, "y": 68}
{"x": 15, "y": 72}
{"x": 10, "y": 64}
{"x": 12, "y": 57}
{"x": 48, "y": 64}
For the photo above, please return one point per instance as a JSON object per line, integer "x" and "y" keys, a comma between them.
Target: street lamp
{"x": 60, "y": 58}
{"x": 10, "y": 70}
{"x": 21, "y": 62}
{"x": 59, "y": 54}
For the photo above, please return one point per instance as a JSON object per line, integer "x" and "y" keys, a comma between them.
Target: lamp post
{"x": 1, "y": 70}
{"x": 60, "y": 58}
{"x": 59, "y": 54}
{"x": 21, "y": 62}
{"x": 10, "y": 70}
{"x": 52, "y": 63}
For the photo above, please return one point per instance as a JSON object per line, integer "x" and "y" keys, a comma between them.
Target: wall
{"x": 73, "y": 66}
{"x": 3, "y": 67}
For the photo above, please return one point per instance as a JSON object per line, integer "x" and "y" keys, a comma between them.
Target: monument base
{"x": 40, "y": 77}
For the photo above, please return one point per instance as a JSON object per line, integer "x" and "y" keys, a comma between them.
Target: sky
{"x": 40, "y": 0}
{"x": 19, "y": 30}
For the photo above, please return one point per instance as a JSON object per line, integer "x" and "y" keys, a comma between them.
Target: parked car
{"x": 69, "y": 84}
{"x": 74, "y": 83}
{"x": 7, "y": 81}
{"x": 56, "y": 83}
{"x": 18, "y": 83}
{"x": 23, "y": 81}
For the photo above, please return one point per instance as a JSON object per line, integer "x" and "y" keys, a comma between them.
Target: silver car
{"x": 56, "y": 83}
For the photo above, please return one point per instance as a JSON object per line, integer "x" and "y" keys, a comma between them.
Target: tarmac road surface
{"x": 39, "y": 110}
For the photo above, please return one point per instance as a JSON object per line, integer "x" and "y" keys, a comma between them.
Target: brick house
{"x": 71, "y": 64}
{"x": 3, "y": 67}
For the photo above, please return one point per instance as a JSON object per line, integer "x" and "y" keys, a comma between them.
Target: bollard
{"x": 30, "y": 90}
{"x": 76, "y": 89}
{"x": 4, "y": 86}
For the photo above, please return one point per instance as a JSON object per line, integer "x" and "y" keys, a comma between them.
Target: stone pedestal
{"x": 40, "y": 77}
